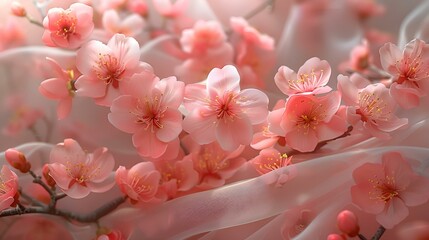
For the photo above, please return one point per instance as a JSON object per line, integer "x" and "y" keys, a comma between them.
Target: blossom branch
{"x": 92, "y": 217}
{"x": 254, "y": 12}
{"x": 380, "y": 231}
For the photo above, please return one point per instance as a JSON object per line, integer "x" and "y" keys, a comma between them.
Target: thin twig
{"x": 380, "y": 231}
{"x": 254, "y": 12}
{"x": 362, "y": 237}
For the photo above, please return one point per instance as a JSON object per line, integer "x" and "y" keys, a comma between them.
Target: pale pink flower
{"x": 308, "y": 120}
{"x": 311, "y": 78}
{"x": 177, "y": 176}
{"x": 131, "y": 26}
{"x": 140, "y": 183}
{"x": 204, "y": 34}
{"x": 23, "y": 116}
{"x": 360, "y": 58}
{"x": 12, "y": 35}
{"x": 77, "y": 172}
{"x": 8, "y": 188}
{"x": 68, "y": 28}
{"x": 347, "y": 222}
{"x": 169, "y": 8}
{"x": 409, "y": 70}
{"x": 149, "y": 110}
{"x": 17, "y": 160}
{"x": 105, "y": 67}
{"x": 250, "y": 34}
{"x": 213, "y": 164}
{"x": 61, "y": 88}
{"x": 371, "y": 109}
{"x": 220, "y": 111}
{"x": 270, "y": 159}
{"x": 388, "y": 189}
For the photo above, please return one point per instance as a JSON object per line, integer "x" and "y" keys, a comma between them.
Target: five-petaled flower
{"x": 68, "y": 28}
{"x": 78, "y": 173}
{"x": 409, "y": 70}
{"x": 149, "y": 111}
{"x": 105, "y": 67}
{"x": 388, "y": 189}
{"x": 220, "y": 111}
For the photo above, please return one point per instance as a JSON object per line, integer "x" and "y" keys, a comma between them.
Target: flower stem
{"x": 254, "y": 12}
{"x": 380, "y": 231}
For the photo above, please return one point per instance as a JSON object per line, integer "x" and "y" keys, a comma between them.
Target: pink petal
{"x": 133, "y": 24}
{"x": 349, "y": 92}
{"x": 55, "y": 87}
{"x": 88, "y": 86}
{"x": 172, "y": 90}
{"x": 64, "y": 107}
{"x": 231, "y": 134}
{"x": 406, "y": 98}
{"x": 222, "y": 80}
{"x": 282, "y": 78}
{"x": 111, "y": 20}
{"x": 126, "y": 49}
{"x": 69, "y": 151}
{"x": 200, "y": 127}
{"x": 417, "y": 192}
{"x": 332, "y": 129}
{"x": 395, "y": 212}
{"x": 148, "y": 145}
{"x": 104, "y": 186}
{"x": 301, "y": 141}
{"x": 320, "y": 67}
{"x": 103, "y": 161}
{"x": 389, "y": 54}
{"x": 87, "y": 56}
{"x": 59, "y": 173}
{"x": 121, "y": 115}
{"x": 5, "y": 203}
{"x": 254, "y": 104}
{"x": 171, "y": 125}
{"x": 77, "y": 191}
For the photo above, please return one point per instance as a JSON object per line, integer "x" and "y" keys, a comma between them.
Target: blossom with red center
{"x": 371, "y": 108}
{"x": 270, "y": 159}
{"x": 105, "y": 67}
{"x": 308, "y": 119}
{"x": 140, "y": 183}
{"x": 77, "y": 172}
{"x": 388, "y": 189}
{"x": 8, "y": 188}
{"x": 149, "y": 110}
{"x": 60, "y": 88}
{"x": 310, "y": 79}
{"x": 409, "y": 70}
{"x": 220, "y": 111}
{"x": 68, "y": 28}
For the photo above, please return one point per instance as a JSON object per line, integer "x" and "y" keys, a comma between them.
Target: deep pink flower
{"x": 388, "y": 189}
{"x": 409, "y": 70}
{"x": 105, "y": 67}
{"x": 140, "y": 183}
{"x": 220, "y": 111}
{"x": 310, "y": 79}
{"x": 8, "y": 188}
{"x": 149, "y": 111}
{"x": 68, "y": 28}
{"x": 60, "y": 88}
{"x": 371, "y": 108}
{"x": 131, "y": 26}
{"x": 77, "y": 172}
{"x": 347, "y": 222}
{"x": 270, "y": 159}
{"x": 308, "y": 120}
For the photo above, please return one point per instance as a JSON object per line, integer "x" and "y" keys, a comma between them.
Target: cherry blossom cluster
{"x": 194, "y": 131}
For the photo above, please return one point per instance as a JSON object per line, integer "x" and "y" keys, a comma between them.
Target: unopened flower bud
{"x": 347, "y": 223}
{"x": 17, "y": 160}
{"x": 17, "y": 9}
{"x": 45, "y": 173}
{"x": 335, "y": 236}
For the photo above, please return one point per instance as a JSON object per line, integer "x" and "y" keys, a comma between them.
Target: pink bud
{"x": 17, "y": 9}
{"x": 138, "y": 6}
{"x": 45, "y": 173}
{"x": 17, "y": 160}
{"x": 335, "y": 236}
{"x": 347, "y": 223}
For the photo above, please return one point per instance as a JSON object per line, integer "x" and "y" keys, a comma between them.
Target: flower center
{"x": 109, "y": 70}
{"x": 66, "y": 25}
{"x": 209, "y": 160}
{"x": 384, "y": 190}
{"x": 306, "y": 81}
{"x": 275, "y": 162}
{"x": 307, "y": 122}
{"x": 3, "y": 187}
{"x": 138, "y": 186}
{"x": 371, "y": 108}
{"x": 408, "y": 69}
{"x": 149, "y": 112}
{"x": 81, "y": 173}
{"x": 226, "y": 106}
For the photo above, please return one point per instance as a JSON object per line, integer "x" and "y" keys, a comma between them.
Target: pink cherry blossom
{"x": 310, "y": 79}
{"x": 360, "y": 58}
{"x": 169, "y": 8}
{"x": 270, "y": 159}
{"x": 105, "y": 67}
{"x": 204, "y": 34}
{"x": 131, "y": 26}
{"x": 149, "y": 110}
{"x": 250, "y": 34}
{"x": 140, "y": 183}
{"x": 409, "y": 72}
{"x": 68, "y": 28}
{"x": 371, "y": 108}
{"x": 388, "y": 189}
{"x": 12, "y": 35}
{"x": 77, "y": 172}
{"x": 8, "y": 188}
{"x": 308, "y": 120}
{"x": 213, "y": 164}
{"x": 60, "y": 88}
{"x": 220, "y": 111}
{"x": 177, "y": 176}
